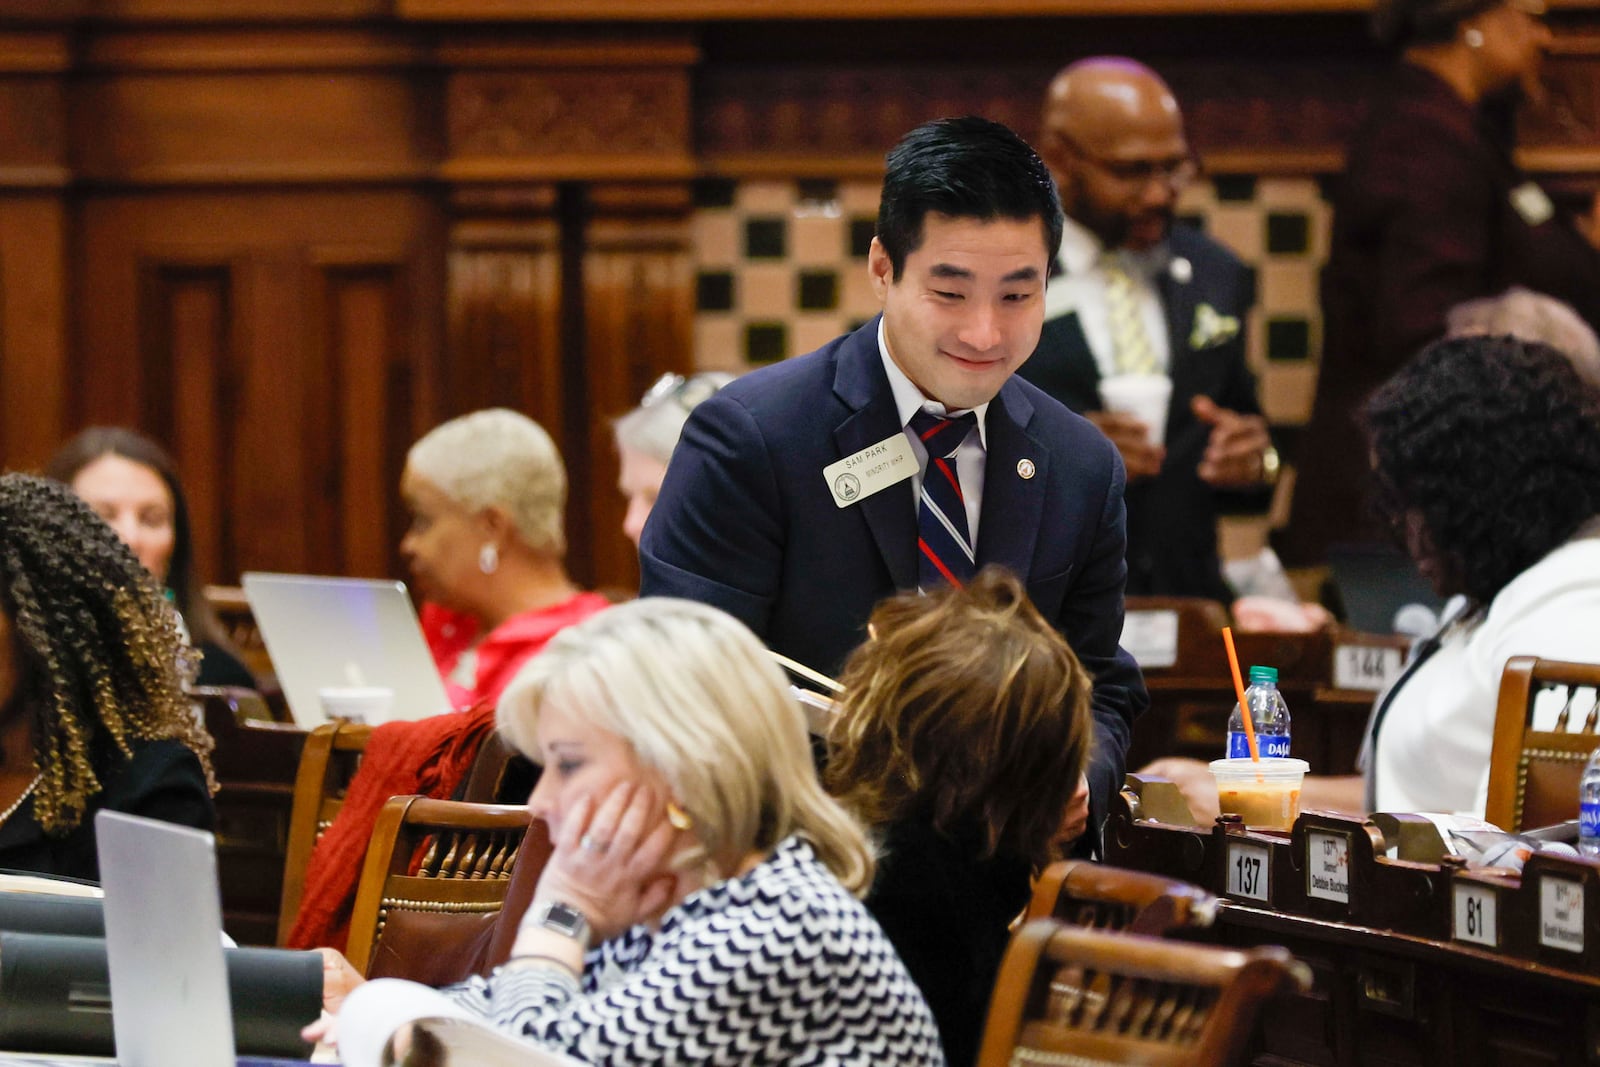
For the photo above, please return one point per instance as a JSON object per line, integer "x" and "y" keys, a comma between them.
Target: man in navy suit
{"x": 1113, "y": 137}
{"x": 796, "y": 498}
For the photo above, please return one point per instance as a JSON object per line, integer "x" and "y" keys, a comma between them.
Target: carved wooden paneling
{"x": 360, "y": 413}
{"x": 638, "y": 298}
{"x": 34, "y": 368}
{"x": 187, "y": 354}
{"x": 560, "y": 123}
{"x": 251, "y": 106}
{"x": 281, "y": 343}
{"x": 503, "y": 309}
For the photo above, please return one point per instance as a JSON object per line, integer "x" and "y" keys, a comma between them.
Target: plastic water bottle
{"x": 1270, "y": 716}
{"x": 1589, "y": 807}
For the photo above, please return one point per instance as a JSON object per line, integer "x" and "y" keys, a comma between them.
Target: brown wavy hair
{"x": 968, "y": 709}
{"x": 97, "y": 646}
{"x": 182, "y": 576}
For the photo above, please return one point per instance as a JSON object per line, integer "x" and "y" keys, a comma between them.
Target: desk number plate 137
{"x": 1248, "y": 872}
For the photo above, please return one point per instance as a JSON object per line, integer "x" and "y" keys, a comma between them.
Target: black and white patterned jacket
{"x": 779, "y": 965}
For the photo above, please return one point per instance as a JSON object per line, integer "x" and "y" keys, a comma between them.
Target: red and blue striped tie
{"x": 944, "y": 548}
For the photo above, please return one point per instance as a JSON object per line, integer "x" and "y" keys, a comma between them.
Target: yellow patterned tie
{"x": 1130, "y": 342}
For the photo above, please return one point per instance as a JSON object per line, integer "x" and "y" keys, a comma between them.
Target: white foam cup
{"x": 357, "y": 703}
{"x": 1144, "y": 396}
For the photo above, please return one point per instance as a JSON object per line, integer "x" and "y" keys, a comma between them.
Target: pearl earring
{"x": 1474, "y": 38}
{"x": 489, "y": 558}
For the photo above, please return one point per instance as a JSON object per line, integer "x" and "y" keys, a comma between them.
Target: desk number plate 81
{"x": 1248, "y": 872}
{"x": 1475, "y": 916}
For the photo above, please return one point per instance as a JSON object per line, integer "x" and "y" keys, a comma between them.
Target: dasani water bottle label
{"x": 1272, "y": 746}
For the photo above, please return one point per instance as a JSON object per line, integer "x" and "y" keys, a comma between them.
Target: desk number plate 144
{"x": 1248, "y": 872}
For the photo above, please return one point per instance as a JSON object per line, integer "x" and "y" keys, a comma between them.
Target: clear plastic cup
{"x": 1264, "y": 793}
{"x": 364, "y": 703}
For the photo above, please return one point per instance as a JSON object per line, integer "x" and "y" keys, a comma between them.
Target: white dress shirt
{"x": 1081, "y": 288}
{"x": 970, "y": 457}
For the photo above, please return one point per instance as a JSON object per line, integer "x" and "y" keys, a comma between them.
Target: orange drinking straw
{"x": 1238, "y": 687}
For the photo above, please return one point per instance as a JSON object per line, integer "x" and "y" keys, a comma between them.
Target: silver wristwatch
{"x": 563, "y": 919}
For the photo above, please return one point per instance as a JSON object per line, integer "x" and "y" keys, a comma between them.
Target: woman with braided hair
{"x": 92, "y": 709}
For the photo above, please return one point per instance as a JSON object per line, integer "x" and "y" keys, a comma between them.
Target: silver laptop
{"x": 169, "y": 981}
{"x": 344, "y": 632}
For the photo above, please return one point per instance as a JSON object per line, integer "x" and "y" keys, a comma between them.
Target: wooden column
{"x": 638, "y": 289}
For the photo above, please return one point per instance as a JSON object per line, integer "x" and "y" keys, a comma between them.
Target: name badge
{"x": 1532, "y": 204}
{"x": 872, "y": 470}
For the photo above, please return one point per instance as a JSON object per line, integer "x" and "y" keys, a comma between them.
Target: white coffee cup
{"x": 357, "y": 703}
{"x": 1144, "y": 396}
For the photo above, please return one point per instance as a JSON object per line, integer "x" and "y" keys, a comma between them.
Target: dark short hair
{"x": 1495, "y": 444}
{"x": 966, "y": 709}
{"x": 187, "y": 588}
{"x": 1400, "y": 23}
{"x": 965, "y": 168}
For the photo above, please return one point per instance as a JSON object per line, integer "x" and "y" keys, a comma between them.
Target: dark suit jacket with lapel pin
{"x": 1172, "y": 518}
{"x": 746, "y": 522}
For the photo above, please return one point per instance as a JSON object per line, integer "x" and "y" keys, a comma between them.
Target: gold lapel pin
{"x": 1025, "y": 468}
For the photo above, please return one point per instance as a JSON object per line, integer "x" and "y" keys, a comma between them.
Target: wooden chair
{"x": 499, "y": 774}
{"x": 1068, "y": 995}
{"x": 430, "y": 919}
{"x": 239, "y": 622}
{"x": 332, "y": 753}
{"x": 1098, "y": 897}
{"x": 256, "y": 761}
{"x": 1533, "y": 774}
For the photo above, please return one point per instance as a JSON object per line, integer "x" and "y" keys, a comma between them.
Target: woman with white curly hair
{"x": 486, "y": 548}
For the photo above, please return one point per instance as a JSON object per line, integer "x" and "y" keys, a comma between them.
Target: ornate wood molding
{"x": 697, "y": 10}
{"x": 561, "y": 107}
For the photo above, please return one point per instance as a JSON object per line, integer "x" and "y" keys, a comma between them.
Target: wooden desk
{"x": 1319, "y": 674}
{"x": 1395, "y": 979}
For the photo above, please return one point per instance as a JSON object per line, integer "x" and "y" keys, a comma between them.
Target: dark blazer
{"x": 745, "y": 522}
{"x": 1172, "y": 518}
{"x": 1423, "y": 219}
{"x": 948, "y": 914}
{"x": 163, "y": 780}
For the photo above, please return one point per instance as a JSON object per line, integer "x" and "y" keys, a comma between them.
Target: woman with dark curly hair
{"x": 1486, "y": 457}
{"x": 960, "y": 738}
{"x": 92, "y": 709}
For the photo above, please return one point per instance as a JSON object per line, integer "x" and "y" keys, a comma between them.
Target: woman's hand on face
{"x": 610, "y": 860}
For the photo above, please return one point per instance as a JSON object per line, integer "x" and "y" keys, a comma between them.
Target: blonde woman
{"x": 700, "y": 906}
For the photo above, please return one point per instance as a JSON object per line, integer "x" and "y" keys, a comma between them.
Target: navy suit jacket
{"x": 745, "y": 522}
{"x": 1172, "y": 518}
